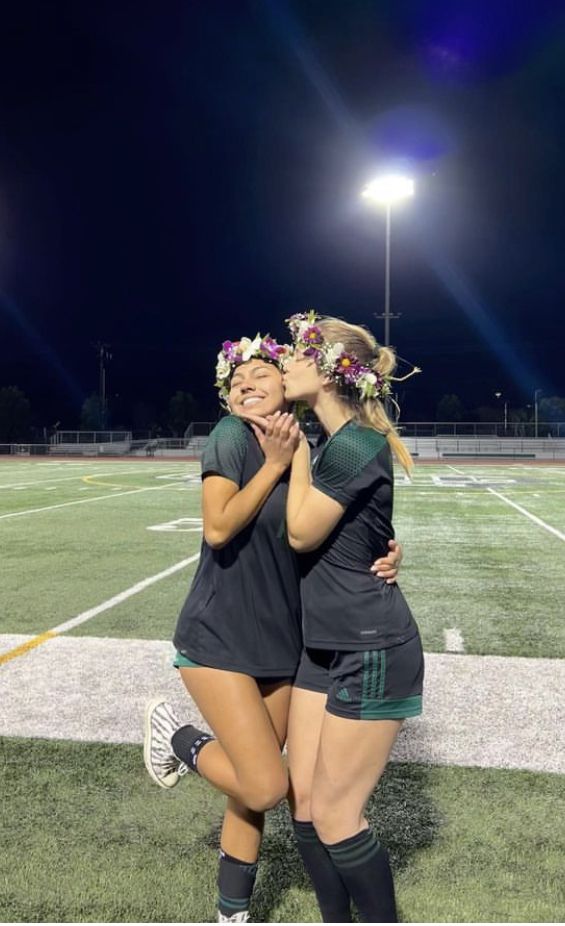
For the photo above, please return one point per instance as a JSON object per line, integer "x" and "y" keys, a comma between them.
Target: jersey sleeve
{"x": 226, "y": 449}
{"x": 353, "y": 460}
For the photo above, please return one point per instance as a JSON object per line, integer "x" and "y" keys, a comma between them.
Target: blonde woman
{"x": 362, "y": 669}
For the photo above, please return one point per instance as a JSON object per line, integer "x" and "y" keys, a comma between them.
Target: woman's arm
{"x": 310, "y": 515}
{"x": 227, "y": 509}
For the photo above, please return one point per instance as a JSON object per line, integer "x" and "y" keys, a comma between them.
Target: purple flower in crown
{"x": 348, "y": 367}
{"x": 312, "y": 336}
{"x": 270, "y": 347}
{"x": 230, "y": 349}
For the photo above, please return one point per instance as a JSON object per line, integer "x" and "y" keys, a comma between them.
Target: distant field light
{"x": 389, "y": 189}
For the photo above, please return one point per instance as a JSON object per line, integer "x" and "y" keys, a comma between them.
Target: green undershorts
{"x": 183, "y": 662}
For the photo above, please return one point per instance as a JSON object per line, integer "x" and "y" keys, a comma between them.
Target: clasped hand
{"x": 278, "y": 436}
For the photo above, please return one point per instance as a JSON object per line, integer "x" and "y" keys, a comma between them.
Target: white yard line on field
{"x": 453, "y": 640}
{"x": 82, "y": 501}
{"x": 455, "y": 470}
{"x": 123, "y": 596}
{"x": 528, "y": 514}
{"x": 31, "y": 643}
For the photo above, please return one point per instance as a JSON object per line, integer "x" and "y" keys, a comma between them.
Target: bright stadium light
{"x": 387, "y": 190}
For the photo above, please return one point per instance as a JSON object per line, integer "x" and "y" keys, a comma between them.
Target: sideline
{"x": 486, "y": 711}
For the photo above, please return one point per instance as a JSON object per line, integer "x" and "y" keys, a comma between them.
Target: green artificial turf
{"x": 86, "y": 836}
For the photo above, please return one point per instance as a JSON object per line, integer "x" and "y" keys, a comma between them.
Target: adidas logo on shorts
{"x": 343, "y": 695}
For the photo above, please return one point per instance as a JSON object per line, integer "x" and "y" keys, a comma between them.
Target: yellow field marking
{"x": 25, "y": 647}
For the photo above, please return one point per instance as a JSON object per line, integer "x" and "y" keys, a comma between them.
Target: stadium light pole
{"x": 387, "y": 190}
{"x": 499, "y": 395}
{"x": 536, "y": 393}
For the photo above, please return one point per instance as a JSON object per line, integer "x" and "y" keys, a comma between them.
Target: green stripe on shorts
{"x": 393, "y": 709}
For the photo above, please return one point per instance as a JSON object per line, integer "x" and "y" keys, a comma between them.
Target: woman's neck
{"x": 330, "y": 412}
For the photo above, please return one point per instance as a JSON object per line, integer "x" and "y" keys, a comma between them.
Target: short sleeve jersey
{"x": 243, "y": 609}
{"x": 344, "y": 605}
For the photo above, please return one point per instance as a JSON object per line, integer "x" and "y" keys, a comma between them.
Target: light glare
{"x": 389, "y": 189}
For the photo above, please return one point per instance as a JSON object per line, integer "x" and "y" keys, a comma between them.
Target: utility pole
{"x": 104, "y": 357}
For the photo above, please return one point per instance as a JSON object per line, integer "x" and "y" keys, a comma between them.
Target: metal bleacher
{"x": 425, "y": 440}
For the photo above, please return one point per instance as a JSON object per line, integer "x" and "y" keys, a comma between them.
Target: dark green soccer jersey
{"x": 345, "y": 606}
{"x": 243, "y": 609}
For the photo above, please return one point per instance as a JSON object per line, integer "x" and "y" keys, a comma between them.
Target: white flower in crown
{"x": 249, "y": 347}
{"x": 223, "y": 366}
{"x": 367, "y": 385}
{"x": 334, "y": 351}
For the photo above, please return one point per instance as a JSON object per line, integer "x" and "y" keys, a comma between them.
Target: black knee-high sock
{"x": 187, "y": 742}
{"x": 235, "y": 884}
{"x": 364, "y": 866}
{"x": 331, "y": 893}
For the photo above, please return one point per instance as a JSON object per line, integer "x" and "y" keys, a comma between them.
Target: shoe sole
{"x": 149, "y": 708}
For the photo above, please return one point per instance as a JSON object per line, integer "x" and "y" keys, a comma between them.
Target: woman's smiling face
{"x": 256, "y": 387}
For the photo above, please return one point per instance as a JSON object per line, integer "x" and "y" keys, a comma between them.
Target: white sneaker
{"x": 160, "y": 761}
{"x": 242, "y": 917}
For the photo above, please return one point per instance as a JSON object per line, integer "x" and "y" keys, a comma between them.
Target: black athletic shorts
{"x": 381, "y": 684}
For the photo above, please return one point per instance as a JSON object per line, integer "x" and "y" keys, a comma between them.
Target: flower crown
{"x": 334, "y": 360}
{"x": 234, "y": 353}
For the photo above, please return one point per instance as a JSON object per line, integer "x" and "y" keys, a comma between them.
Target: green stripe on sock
{"x": 235, "y": 903}
{"x": 361, "y": 860}
{"x": 356, "y": 852}
{"x": 339, "y": 850}
{"x": 351, "y": 851}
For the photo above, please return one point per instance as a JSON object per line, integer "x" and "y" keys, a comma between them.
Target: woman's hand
{"x": 278, "y": 436}
{"x": 387, "y": 566}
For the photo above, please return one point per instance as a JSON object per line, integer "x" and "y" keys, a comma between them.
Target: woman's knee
{"x": 264, "y": 792}
{"x": 334, "y": 822}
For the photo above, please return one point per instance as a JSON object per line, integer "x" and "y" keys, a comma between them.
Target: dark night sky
{"x": 174, "y": 174}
